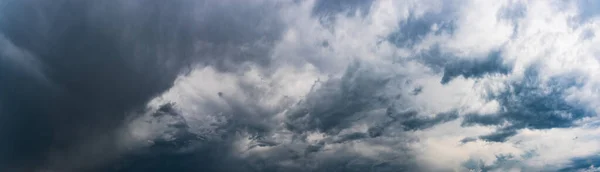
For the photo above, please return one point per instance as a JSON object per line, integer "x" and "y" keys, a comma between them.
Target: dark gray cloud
{"x": 336, "y": 104}
{"x": 76, "y": 73}
{"x": 186, "y": 151}
{"x": 414, "y": 29}
{"x": 362, "y": 96}
{"x": 92, "y": 63}
{"x": 499, "y": 136}
{"x": 532, "y": 104}
{"x": 333, "y": 107}
{"x": 72, "y": 70}
{"x": 326, "y": 109}
{"x": 451, "y": 66}
{"x": 417, "y": 123}
{"x": 583, "y": 163}
{"x": 182, "y": 150}
{"x": 475, "y": 68}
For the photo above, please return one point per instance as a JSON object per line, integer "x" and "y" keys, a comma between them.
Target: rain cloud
{"x": 299, "y": 85}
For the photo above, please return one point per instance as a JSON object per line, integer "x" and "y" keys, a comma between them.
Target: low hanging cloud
{"x": 311, "y": 85}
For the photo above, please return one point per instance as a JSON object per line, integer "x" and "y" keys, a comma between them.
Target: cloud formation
{"x": 312, "y": 85}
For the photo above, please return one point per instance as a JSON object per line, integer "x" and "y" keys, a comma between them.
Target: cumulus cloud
{"x": 314, "y": 85}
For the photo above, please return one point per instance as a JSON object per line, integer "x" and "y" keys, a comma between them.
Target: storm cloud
{"x": 309, "y": 85}
{"x": 73, "y": 70}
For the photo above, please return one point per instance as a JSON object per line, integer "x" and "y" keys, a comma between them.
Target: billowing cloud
{"x": 313, "y": 85}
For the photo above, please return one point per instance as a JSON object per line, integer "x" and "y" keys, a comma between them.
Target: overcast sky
{"x": 299, "y": 85}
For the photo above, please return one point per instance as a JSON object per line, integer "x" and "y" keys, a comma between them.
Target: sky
{"x": 299, "y": 85}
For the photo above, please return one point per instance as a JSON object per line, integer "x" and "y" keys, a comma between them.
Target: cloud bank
{"x": 311, "y": 85}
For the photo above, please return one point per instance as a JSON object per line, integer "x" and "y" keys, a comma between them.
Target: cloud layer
{"x": 314, "y": 85}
